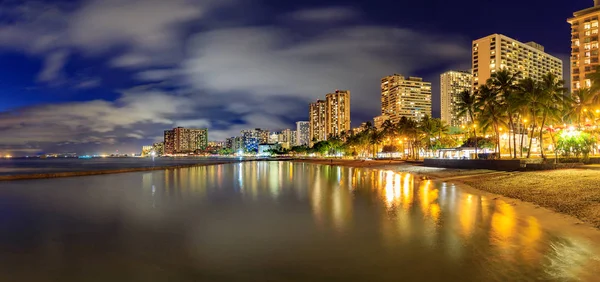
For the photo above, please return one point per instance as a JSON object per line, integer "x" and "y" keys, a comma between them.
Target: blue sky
{"x": 105, "y": 75}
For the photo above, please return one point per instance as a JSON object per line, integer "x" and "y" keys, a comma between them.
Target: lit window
{"x": 587, "y": 46}
{"x": 588, "y": 33}
{"x": 595, "y": 24}
{"x": 576, "y": 42}
{"x": 588, "y": 83}
{"x": 587, "y": 26}
{"x": 595, "y": 45}
{"x": 587, "y": 61}
{"x": 595, "y": 31}
{"x": 587, "y": 54}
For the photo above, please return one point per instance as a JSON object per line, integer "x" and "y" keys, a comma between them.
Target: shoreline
{"x": 472, "y": 181}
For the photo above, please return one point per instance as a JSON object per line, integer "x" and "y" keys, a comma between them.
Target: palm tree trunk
{"x": 474, "y": 134}
{"x": 510, "y": 126}
{"x": 542, "y": 135}
{"x": 514, "y": 132}
{"x": 530, "y": 140}
{"x": 522, "y": 137}
{"x": 554, "y": 147}
{"x": 499, "y": 149}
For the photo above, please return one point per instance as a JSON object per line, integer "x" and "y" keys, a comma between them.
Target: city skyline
{"x": 118, "y": 88}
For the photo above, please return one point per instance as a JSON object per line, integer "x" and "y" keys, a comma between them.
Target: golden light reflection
{"x": 503, "y": 227}
{"x": 467, "y": 214}
{"x": 530, "y": 240}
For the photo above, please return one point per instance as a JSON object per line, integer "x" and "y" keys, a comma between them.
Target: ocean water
{"x": 275, "y": 221}
{"x": 54, "y": 165}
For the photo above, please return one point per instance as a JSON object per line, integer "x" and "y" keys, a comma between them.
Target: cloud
{"x": 53, "y": 66}
{"x": 329, "y": 14}
{"x": 78, "y": 121}
{"x": 143, "y": 24}
{"x": 88, "y": 83}
{"x": 130, "y": 60}
{"x": 267, "y": 61}
{"x": 156, "y": 75}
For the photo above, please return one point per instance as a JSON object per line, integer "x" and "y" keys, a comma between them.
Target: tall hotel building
{"x": 302, "y": 133}
{"x": 185, "y": 140}
{"x": 337, "y": 112}
{"x": 317, "y": 118}
{"x": 584, "y": 45}
{"x": 330, "y": 116}
{"x": 405, "y": 97}
{"x": 496, "y": 52}
{"x": 452, "y": 84}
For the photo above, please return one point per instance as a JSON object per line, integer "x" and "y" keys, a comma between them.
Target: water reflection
{"x": 241, "y": 216}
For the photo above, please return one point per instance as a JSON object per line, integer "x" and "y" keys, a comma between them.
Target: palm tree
{"x": 528, "y": 92}
{"x": 467, "y": 107}
{"x": 535, "y": 101}
{"x": 491, "y": 112}
{"x": 583, "y": 101}
{"x": 408, "y": 127}
{"x": 553, "y": 92}
{"x": 504, "y": 83}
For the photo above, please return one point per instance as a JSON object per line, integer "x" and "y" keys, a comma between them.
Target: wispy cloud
{"x": 328, "y": 14}
{"x": 53, "y": 66}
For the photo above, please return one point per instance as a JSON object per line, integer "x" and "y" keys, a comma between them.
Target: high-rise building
{"x": 274, "y": 137}
{"x": 286, "y": 136}
{"x": 452, "y": 84}
{"x": 496, "y": 52}
{"x": 584, "y": 46}
{"x": 169, "y": 142}
{"x": 302, "y": 133}
{"x": 318, "y": 118}
{"x": 253, "y": 137}
{"x": 337, "y": 113}
{"x": 159, "y": 148}
{"x": 405, "y": 97}
{"x": 293, "y": 138}
{"x": 185, "y": 140}
{"x": 235, "y": 143}
{"x": 147, "y": 150}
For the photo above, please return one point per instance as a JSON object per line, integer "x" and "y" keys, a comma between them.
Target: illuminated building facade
{"x": 253, "y": 137}
{"x": 452, "y": 84}
{"x": 405, "y": 97}
{"x": 169, "y": 142}
{"x": 302, "y": 133}
{"x": 185, "y": 140}
{"x": 584, "y": 46}
{"x": 337, "y": 113}
{"x": 159, "y": 148}
{"x": 317, "y": 119}
{"x": 496, "y": 52}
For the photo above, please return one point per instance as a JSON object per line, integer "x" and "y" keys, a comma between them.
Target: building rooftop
{"x": 584, "y": 12}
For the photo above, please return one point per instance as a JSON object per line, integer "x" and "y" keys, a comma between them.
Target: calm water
{"x": 273, "y": 221}
{"x": 55, "y": 165}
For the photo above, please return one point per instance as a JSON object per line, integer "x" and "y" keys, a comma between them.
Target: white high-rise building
{"x": 302, "y": 133}
{"x": 452, "y": 84}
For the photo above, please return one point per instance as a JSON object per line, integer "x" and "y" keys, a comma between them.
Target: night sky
{"x": 97, "y": 76}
